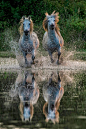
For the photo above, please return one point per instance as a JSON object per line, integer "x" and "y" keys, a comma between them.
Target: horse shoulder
{"x": 35, "y": 97}
{"x": 35, "y": 40}
{"x": 21, "y": 39}
{"x": 61, "y": 92}
{"x": 45, "y": 36}
{"x": 61, "y": 41}
{"x": 46, "y": 93}
{"x": 20, "y": 42}
{"x": 44, "y": 41}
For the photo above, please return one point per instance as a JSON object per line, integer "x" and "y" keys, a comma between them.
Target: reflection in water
{"x": 53, "y": 93}
{"x": 62, "y": 99}
{"x": 26, "y": 88}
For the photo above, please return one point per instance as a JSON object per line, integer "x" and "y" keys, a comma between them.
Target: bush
{"x": 72, "y": 18}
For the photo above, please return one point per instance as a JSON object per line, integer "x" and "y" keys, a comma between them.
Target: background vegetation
{"x": 72, "y": 20}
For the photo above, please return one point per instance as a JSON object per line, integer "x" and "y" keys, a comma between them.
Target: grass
{"x": 7, "y": 54}
{"x": 79, "y": 56}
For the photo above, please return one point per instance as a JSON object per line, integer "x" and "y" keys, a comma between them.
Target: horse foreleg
{"x": 59, "y": 53}
{"x": 33, "y": 81}
{"x": 50, "y": 79}
{"x": 50, "y": 54}
{"x": 59, "y": 81}
{"x": 33, "y": 56}
{"x": 24, "y": 54}
{"x": 25, "y": 83}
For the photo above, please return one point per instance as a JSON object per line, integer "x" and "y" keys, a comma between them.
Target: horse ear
{"x": 53, "y": 12}
{"x": 46, "y": 14}
{"x": 29, "y": 17}
{"x": 23, "y": 17}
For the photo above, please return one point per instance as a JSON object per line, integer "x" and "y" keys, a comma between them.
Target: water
{"x": 72, "y": 102}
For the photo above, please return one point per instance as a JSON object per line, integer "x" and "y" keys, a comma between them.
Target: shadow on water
{"x": 44, "y": 99}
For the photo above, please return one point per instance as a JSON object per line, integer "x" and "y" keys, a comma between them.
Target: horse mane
{"x": 45, "y": 22}
{"x": 21, "y": 25}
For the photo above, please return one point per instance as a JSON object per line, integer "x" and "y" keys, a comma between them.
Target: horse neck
{"x": 50, "y": 102}
{"x": 26, "y": 37}
{"x": 52, "y": 34}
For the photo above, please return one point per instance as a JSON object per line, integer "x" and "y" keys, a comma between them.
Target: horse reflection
{"x": 53, "y": 93}
{"x": 28, "y": 93}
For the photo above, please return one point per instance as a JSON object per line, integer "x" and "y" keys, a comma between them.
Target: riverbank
{"x": 71, "y": 60}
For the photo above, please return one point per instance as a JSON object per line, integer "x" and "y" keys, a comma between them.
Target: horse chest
{"x": 27, "y": 45}
{"x": 53, "y": 44}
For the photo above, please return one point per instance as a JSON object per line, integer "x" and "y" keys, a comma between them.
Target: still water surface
{"x": 44, "y": 99}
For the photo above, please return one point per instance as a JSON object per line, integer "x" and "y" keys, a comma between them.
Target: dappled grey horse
{"x": 52, "y": 93}
{"x": 26, "y": 88}
{"x": 26, "y": 94}
{"x": 52, "y": 40}
{"x": 28, "y": 41}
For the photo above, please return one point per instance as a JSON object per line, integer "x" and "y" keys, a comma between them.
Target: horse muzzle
{"x": 52, "y": 26}
{"x": 26, "y": 31}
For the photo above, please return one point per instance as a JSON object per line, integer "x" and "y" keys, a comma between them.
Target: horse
{"x": 52, "y": 39}
{"x": 52, "y": 93}
{"x": 28, "y": 42}
{"x": 28, "y": 92}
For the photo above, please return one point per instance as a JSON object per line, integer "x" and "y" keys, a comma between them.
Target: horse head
{"x": 50, "y": 21}
{"x": 26, "y": 25}
{"x": 26, "y": 112}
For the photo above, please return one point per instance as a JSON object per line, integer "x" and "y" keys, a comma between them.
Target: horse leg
{"x": 50, "y": 79}
{"x": 59, "y": 53}
{"x": 33, "y": 56}
{"x": 59, "y": 81}
{"x": 25, "y": 83}
{"x": 24, "y": 54}
{"x": 50, "y": 54}
{"x": 33, "y": 80}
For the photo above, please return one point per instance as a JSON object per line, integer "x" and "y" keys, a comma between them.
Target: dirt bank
{"x": 43, "y": 62}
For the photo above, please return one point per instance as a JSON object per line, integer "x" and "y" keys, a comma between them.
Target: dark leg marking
{"x": 59, "y": 53}
{"x": 24, "y": 54}
{"x": 50, "y": 54}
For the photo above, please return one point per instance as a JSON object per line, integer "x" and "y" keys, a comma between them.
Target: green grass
{"x": 7, "y": 54}
{"x": 79, "y": 56}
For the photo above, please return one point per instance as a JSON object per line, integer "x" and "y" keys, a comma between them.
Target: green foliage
{"x": 72, "y": 18}
{"x": 7, "y": 37}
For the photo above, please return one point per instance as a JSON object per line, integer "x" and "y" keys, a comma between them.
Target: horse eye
{"x": 29, "y": 23}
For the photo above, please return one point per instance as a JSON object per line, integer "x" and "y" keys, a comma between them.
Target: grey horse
{"x": 52, "y": 40}
{"x": 26, "y": 88}
{"x": 52, "y": 92}
{"x": 28, "y": 42}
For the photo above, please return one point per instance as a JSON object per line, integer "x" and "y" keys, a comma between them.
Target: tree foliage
{"x": 12, "y": 11}
{"x": 72, "y": 15}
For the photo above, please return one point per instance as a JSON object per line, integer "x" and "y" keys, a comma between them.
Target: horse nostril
{"x": 52, "y": 106}
{"x": 52, "y": 26}
{"x": 26, "y": 31}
